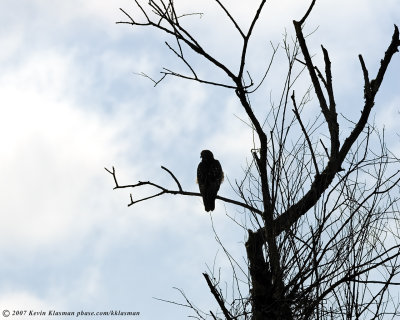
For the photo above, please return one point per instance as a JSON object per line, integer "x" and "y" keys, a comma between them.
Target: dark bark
{"x": 267, "y": 302}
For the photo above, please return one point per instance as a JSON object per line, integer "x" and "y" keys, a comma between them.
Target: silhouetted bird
{"x": 209, "y": 178}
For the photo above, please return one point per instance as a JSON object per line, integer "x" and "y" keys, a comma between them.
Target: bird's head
{"x": 206, "y": 155}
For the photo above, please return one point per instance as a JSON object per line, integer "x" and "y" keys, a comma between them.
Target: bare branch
{"x": 246, "y": 40}
{"x": 156, "y": 82}
{"x": 329, "y": 86}
{"x": 131, "y": 20}
{"x": 307, "y": 13}
{"x": 231, "y": 18}
{"x": 296, "y": 112}
{"x": 392, "y": 49}
{"x": 176, "y": 180}
{"x": 178, "y": 75}
{"x": 177, "y": 31}
{"x": 329, "y": 113}
{"x": 321, "y": 182}
{"x": 325, "y": 148}
{"x": 143, "y": 199}
{"x": 189, "y": 304}
{"x": 369, "y": 98}
{"x": 218, "y": 297}
{"x": 174, "y": 192}
{"x": 182, "y": 57}
{"x": 275, "y": 49}
{"x": 172, "y": 302}
{"x": 141, "y": 9}
{"x": 367, "y": 88}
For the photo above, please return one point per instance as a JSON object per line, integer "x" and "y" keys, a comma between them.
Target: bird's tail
{"x": 209, "y": 202}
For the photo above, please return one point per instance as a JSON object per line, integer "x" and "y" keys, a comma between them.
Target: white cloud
{"x": 53, "y": 154}
{"x": 389, "y": 115}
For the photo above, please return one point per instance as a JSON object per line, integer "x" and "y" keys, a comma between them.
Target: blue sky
{"x": 71, "y": 105}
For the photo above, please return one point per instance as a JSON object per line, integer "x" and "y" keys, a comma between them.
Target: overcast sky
{"x": 71, "y": 105}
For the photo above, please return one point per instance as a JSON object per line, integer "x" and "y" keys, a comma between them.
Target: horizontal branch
{"x": 376, "y": 282}
{"x": 180, "y": 191}
{"x": 169, "y": 72}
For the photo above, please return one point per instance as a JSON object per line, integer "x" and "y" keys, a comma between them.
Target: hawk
{"x": 209, "y": 178}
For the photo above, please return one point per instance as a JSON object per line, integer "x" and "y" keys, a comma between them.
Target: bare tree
{"x": 322, "y": 240}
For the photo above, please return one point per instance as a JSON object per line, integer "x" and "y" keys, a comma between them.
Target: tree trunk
{"x": 266, "y": 305}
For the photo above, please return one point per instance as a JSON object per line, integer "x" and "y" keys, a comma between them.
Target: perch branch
{"x": 180, "y": 191}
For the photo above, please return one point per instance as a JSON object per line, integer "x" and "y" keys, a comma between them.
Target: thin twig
{"x": 297, "y": 114}
{"x": 178, "y": 75}
{"x": 176, "y": 180}
{"x": 231, "y": 18}
{"x": 307, "y": 13}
